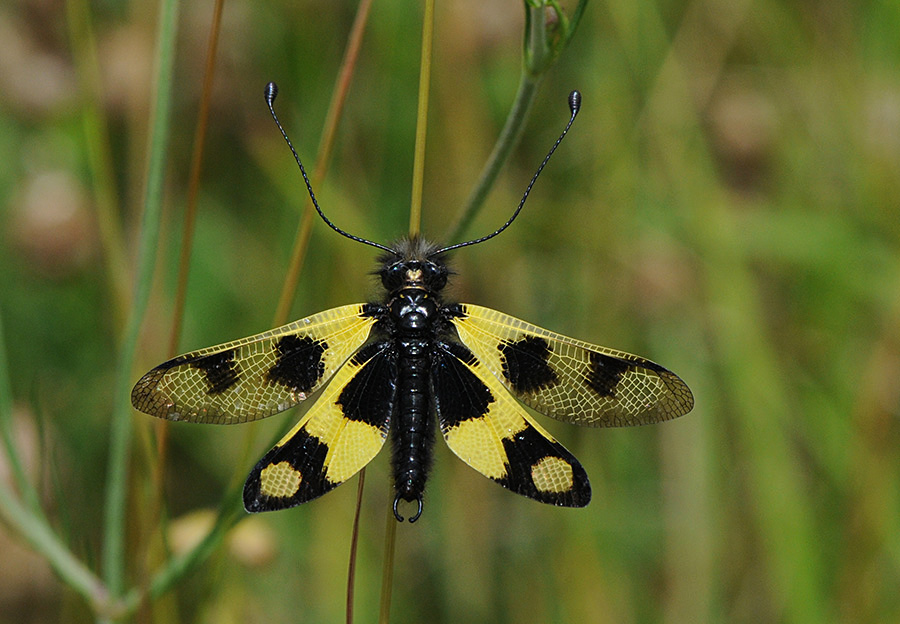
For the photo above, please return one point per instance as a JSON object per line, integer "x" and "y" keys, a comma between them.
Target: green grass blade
{"x": 121, "y": 429}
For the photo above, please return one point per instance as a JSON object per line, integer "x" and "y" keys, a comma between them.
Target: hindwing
{"x": 486, "y": 428}
{"x": 254, "y": 377}
{"x": 567, "y": 379}
{"x": 341, "y": 433}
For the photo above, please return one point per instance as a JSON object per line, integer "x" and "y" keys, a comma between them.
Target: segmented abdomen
{"x": 412, "y": 432}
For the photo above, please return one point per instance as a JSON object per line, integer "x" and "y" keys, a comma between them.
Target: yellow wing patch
{"x": 486, "y": 428}
{"x": 280, "y": 480}
{"x": 568, "y": 379}
{"x": 341, "y": 433}
{"x": 254, "y": 377}
{"x": 552, "y": 474}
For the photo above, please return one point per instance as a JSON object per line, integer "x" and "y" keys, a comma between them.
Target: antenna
{"x": 574, "y": 106}
{"x": 271, "y": 92}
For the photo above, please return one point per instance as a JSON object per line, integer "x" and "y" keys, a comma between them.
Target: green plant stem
{"x": 418, "y": 180}
{"x": 508, "y": 139}
{"x": 121, "y": 429}
{"x": 534, "y": 63}
{"x": 354, "y": 546}
{"x": 538, "y": 54}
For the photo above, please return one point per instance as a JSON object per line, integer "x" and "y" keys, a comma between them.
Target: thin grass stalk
{"x": 162, "y": 427}
{"x": 190, "y": 213}
{"x": 100, "y": 160}
{"x": 7, "y": 432}
{"x": 354, "y": 546}
{"x": 113, "y": 556}
{"x": 418, "y": 181}
{"x": 415, "y": 218}
{"x": 387, "y": 568}
{"x": 187, "y": 240}
{"x": 323, "y": 159}
{"x": 229, "y": 513}
{"x": 304, "y": 230}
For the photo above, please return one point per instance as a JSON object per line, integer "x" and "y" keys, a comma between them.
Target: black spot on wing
{"x": 219, "y": 370}
{"x": 525, "y": 364}
{"x": 299, "y": 366}
{"x": 305, "y": 454}
{"x": 527, "y": 448}
{"x": 604, "y": 374}
{"x": 370, "y": 395}
{"x": 458, "y": 393}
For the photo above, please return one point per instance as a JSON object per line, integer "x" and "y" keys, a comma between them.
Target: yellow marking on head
{"x": 552, "y": 474}
{"x": 414, "y": 275}
{"x": 476, "y": 442}
{"x": 279, "y": 480}
{"x": 354, "y": 447}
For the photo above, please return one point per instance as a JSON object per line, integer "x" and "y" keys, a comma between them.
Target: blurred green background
{"x": 726, "y": 204}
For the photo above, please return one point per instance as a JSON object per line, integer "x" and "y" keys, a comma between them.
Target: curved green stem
{"x": 542, "y": 45}
{"x": 509, "y": 138}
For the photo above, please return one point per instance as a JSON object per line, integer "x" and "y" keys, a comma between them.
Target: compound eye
{"x": 392, "y": 276}
{"x": 436, "y": 276}
{"x": 439, "y": 281}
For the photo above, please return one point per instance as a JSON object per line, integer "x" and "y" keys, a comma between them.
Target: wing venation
{"x": 571, "y": 380}
{"x": 254, "y": 377}
{"x": 339, "y": 435}
{"x": 486, "y": 428}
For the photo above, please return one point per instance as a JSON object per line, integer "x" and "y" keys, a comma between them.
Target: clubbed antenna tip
{"x": 574, "y": 107}
{"x": 574, "y": 100}
{"x": 271, "y": 92}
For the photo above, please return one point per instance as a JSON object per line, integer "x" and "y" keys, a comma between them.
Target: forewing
{"x": 340, "y": 434}
{"x": 486, "y": 428}
{"x": 570, "y": 380}
{"x": 254, "y": 377}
